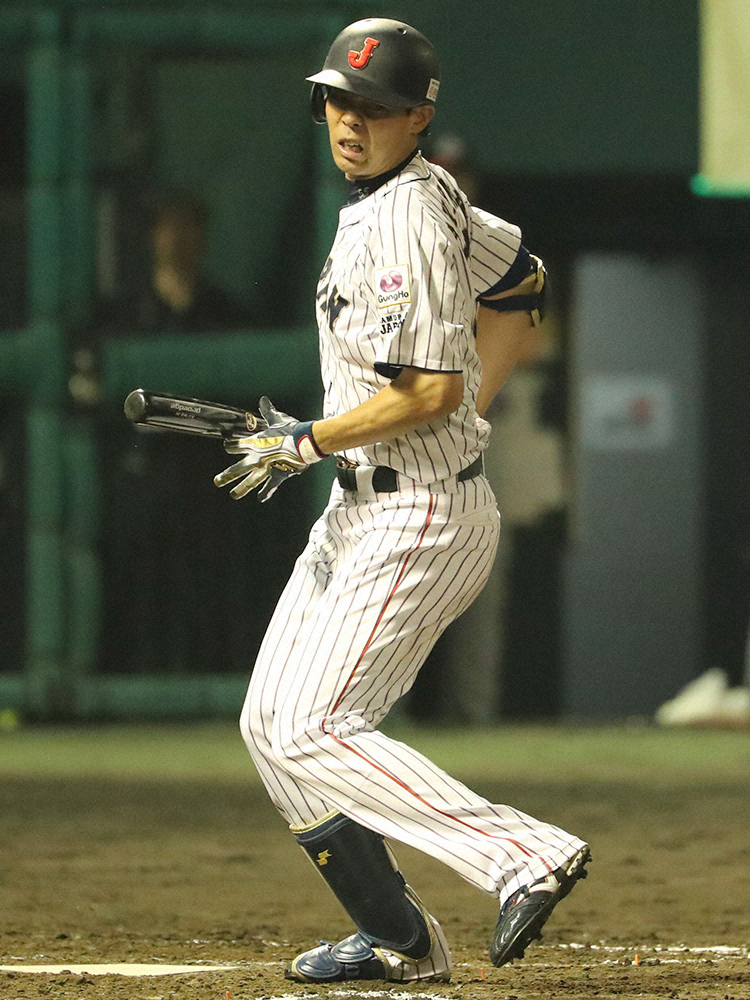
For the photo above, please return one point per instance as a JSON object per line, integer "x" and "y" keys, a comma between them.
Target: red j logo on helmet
{"x": 358, "y": 60}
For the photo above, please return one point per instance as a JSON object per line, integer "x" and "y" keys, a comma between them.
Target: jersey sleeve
{"x": 419, "y": 286}
{"x": 495, "y": 245}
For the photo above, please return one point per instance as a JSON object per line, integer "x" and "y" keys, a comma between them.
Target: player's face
{"x": 368, "y": 138}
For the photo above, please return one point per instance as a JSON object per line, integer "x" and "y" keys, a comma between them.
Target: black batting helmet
{"x": 381, "y": 60}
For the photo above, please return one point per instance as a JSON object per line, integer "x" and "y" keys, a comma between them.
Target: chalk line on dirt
{"x": 117, "y": 969}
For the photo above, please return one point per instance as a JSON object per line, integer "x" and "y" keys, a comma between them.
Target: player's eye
{"x": 371, "y": 109}
{"x": 377, "y": 111}
{"x": 344, "y": 101}
{"x": 339, "y": 99}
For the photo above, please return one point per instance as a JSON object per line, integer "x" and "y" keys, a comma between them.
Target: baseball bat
{"x": 190, "y": 416}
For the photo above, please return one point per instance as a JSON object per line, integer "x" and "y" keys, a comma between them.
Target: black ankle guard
{"x": 356, "y": 865}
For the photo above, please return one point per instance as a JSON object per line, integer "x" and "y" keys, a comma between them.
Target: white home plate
{"x": 118, "y": 969}
{"x": 364, "y": 995}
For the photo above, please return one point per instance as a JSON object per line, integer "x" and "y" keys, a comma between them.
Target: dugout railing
{"x": 58, "y": 672}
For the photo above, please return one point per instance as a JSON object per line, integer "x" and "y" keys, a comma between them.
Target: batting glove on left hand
{"x": 283, "y": 449}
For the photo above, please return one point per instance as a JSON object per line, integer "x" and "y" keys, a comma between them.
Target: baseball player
{"x": 420, "y": 306}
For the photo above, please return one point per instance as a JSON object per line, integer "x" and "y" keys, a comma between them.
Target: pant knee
{"x": 304, "y": 742}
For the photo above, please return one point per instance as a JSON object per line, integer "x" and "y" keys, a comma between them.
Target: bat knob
{"x": 135, "y": 406}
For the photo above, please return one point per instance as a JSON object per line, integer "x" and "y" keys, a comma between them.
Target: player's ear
{"x": 421, "y": 116}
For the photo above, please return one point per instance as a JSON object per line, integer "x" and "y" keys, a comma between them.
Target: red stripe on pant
{"x": 389, "y": 598}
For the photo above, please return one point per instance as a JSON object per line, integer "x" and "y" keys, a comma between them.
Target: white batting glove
{"x": 283, "y": 449}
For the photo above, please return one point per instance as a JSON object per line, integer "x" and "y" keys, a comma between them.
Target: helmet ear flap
{"x": 318, "y": 97}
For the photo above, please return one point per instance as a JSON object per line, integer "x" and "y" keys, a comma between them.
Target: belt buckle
{"x": 365, "y": 488}
{"x": 345, "y": 463}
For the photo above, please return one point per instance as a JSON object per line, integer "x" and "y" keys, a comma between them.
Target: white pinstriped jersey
{"x": 399, "y": 289}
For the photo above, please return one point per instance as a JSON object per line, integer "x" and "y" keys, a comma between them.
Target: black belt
{"x": 385, "y": 480}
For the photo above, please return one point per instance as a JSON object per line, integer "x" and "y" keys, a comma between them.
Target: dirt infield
{"x": 118, "y": 867}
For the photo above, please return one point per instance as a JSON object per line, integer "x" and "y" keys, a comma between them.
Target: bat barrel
{"x": 189, "y": 416}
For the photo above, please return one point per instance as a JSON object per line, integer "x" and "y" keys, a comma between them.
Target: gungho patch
{"x": 393, "y": 287}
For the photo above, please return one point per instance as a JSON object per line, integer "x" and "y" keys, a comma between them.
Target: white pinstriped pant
{"x": 373, "y": 590}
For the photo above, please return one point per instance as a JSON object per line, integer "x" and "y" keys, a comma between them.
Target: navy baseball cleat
{"x": 356, "y": 958}
{"x": 352, "y": 958}
{"x": 523, "y": 914}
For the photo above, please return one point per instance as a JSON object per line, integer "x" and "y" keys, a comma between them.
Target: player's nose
{"x": 351, "y": 118}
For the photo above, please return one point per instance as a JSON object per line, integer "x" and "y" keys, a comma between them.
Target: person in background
{"x": 178, "y": 296}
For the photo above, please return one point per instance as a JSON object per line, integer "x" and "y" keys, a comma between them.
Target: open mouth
{"x": 350, "y": 148}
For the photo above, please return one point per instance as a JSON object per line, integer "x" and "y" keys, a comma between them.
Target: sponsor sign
{"x": 627, "y": 412}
